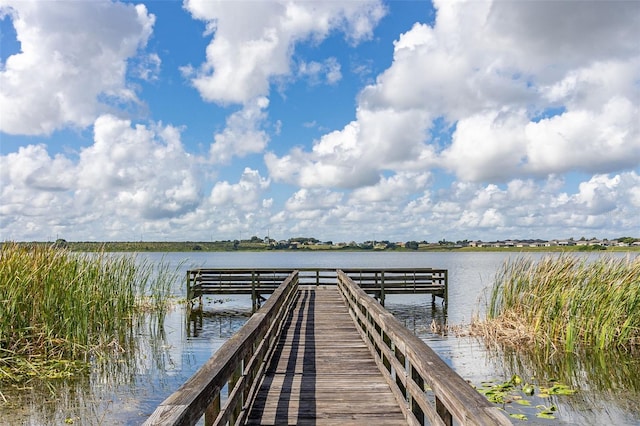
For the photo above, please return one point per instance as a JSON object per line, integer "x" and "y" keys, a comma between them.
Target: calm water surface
{"x": 160, "y": 359}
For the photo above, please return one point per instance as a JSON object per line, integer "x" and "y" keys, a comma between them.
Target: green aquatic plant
{"x": 57, "y": 305}
{"x": 566, "y": 301}
{"x": 515, "y": 391}
{"x": 546, "y": 412}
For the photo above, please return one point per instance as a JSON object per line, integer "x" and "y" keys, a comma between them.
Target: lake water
{"x": 160, "y": 359}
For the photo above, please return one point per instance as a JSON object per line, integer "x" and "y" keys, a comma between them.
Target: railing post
{"x": 446, "y": 290}
{"x": 249, "y": 374}
{"x": 237, "y": 374}
{"x": 444, "y": 414}
{"x": 212, "y": 411}
{"x": 407, "y": 377}
{"x": 382, "y": 288}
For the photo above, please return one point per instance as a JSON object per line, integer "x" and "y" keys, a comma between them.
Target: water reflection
{"x": 424, "y": 320}
{"x": 607, "y": 383}
{"x": 587, "y": 370}
{"x": 215, "y": 324}
{"x": 91, "y": 398}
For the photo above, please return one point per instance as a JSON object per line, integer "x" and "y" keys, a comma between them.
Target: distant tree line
{"x": 311, "y": 243}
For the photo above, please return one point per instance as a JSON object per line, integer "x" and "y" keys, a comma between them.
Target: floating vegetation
{"x": 59, "y": 309}
{"x": 514, "y": 391}
{"x": 565, "y": 302}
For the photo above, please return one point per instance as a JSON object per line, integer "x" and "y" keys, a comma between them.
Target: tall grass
{"x": 63, "y": 305}
{"x": 567, "y": 301}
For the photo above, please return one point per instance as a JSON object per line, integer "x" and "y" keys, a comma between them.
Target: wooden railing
{"x": 376, "y": 281}
{"x": 237, "y": 365}
{"x": 381, "y": 282}
{"x": 426, "y": 387}
{"x": 255, "y": 282}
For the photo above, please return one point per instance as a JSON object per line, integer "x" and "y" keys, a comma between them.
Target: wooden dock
{"x": 326, "y": 353}
{"x": 259, "y": 282}
{"x": 322, "y": 373}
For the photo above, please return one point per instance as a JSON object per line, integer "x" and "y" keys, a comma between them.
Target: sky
{"x": 339, "y": 120}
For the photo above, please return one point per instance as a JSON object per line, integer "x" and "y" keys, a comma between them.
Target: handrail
{"x": 238, "y": 364}
{"x": 378, "y": 281}
{"x": 426, "y": 386}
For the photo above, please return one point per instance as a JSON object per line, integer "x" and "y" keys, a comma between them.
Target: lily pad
{"x": 545, "y": 416}
{"x": 518, "y": 416}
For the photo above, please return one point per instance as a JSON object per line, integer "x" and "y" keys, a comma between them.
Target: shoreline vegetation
{"x": 60, "y": 309}
{"x": 309, "y": 245}
{"x": 564, "y": 303}
{"x": 66, "y": 302}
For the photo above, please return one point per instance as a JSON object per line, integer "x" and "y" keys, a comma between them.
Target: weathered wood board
{"x": 322, "y": 372}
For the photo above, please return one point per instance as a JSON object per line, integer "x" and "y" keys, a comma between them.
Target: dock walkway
{"x": 322, "y": 372}
{"x": 324, "y": 353}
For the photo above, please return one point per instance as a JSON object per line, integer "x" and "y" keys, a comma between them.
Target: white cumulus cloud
{"x": 131, "y": 177}
{"x": 530, "y": 89}
{"x": 244, "y": 195}
{"x": 253, "y": 41}
{"x": 243, "y": 134}
{"x": 72, "y": 62}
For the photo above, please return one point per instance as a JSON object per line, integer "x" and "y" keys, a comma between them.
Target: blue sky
{"x": 354, "y": 120}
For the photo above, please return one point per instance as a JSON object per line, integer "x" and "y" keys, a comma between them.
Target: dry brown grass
{"x": 565, "y": 302}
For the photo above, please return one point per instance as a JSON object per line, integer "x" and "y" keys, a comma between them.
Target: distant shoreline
{"x": 243, "y": 246}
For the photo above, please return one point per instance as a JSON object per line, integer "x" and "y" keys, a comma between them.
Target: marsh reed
{"x": 565, "y": 302}
{"x": 58, "y": 305}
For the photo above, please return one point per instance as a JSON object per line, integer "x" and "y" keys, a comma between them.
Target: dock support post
{"x": 446, "y": 290}
{"x": 189, "y": 290}
{"x": 195, "y": 317}
{"x": 382, "y": 288}
{"x": 187, "y": 318}
{"x": 254, "y": 295}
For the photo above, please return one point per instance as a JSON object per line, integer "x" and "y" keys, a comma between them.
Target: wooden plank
{"x": 322, "y": 371}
